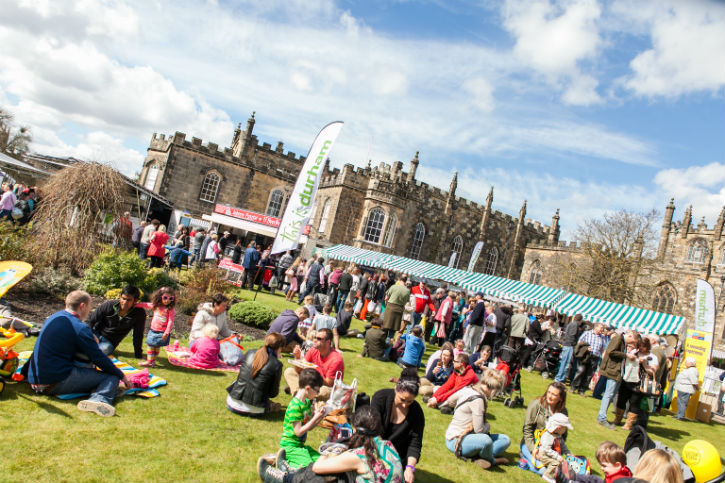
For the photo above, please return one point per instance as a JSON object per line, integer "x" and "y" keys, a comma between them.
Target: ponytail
{"x": 273, "y": 341}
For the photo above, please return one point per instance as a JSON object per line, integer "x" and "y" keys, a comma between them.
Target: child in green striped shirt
{"x": 300, "y": 418}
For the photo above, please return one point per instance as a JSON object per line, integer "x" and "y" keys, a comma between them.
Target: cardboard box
{"x": 704, "y": 412}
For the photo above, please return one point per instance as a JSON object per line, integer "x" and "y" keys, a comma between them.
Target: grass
{"x": 187, "y": 434}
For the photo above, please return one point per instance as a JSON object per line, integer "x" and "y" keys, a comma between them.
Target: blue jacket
{"x": 63, "y": 336}
{"x": 414, "y": 349}
{"x": 442, "y": 376}
{"x": 251, "y": 257}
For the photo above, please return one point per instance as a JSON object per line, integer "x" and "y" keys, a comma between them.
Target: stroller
{"x": 546, "y": 357}
{"x": 8, "y": 357}
{"x": 510, "y": 365}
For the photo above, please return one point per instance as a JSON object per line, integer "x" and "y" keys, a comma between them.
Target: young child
{"x": 309, "y": 342}
{"x": 613, "y": 462}
{"x": 459, "y": 347}
{"x": 299, "y": 419}
{"x": 205, "y": 352}
{"x": 310, "y": 305}
{"x": 162, "y": 303}
{"x": 552, "y": 446}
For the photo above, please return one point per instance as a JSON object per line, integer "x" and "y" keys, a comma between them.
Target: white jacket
{"x": 205, "y": 315}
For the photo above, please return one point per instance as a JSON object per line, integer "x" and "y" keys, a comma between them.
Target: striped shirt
{"x": 596, "y": 342}
{"x": 296, "y": 411}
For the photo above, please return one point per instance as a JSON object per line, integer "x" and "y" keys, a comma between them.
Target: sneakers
{"x": 281, "y": 461}
{"x": 606, "y": 424}
{"x": 268, "y": 473}
{"x": 98, "y": 407}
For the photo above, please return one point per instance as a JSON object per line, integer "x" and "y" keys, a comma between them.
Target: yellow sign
{"x": 11, "y": 273}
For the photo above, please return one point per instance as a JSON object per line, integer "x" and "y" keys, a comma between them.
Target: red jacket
{"x": 622, "y": 473}
{"x": 422, "y": 298}
{"x": 455, "y": 383}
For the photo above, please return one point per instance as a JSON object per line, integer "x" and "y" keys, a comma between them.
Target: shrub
{"x": 114, "y": 269}
{"x": 157, "y": 278}
{"x": 252, "y": 313}
{"x": 15, "y": 243}
{"x": 208, "y": 281}
{"x": 49, "y": 281}
{"x": 189, "y": 300}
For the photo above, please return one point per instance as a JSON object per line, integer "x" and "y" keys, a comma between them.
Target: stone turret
{"x": 413, "y": 168}
{"x": 666, "y": 227}
{"x": 450, "y": 201}
{"x": 686, "y": 222}
{"x": 702, "y": 226}
{"x": 517, "y": 240}
{"x": 241, "y": 143}
{"x": 486, "y": 212}
{"x": 719, "y": 224}
{"x": 553, "y": 237}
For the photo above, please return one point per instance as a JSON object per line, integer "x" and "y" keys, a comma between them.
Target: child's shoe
{"x": 147, "y": 363}
{"x": 268, "y": 473}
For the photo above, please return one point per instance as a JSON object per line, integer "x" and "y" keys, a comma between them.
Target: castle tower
{"x": 665, "y": 233}
{"x": 517, "y": 240}
{"x": 686, "y": 221}
{"x": 486, "y": 212}
{"x": 719, "y": 224}
{"x": 240, "y": 143}
{"x": 413, "y": 168}
{"x": 553, "y": 237}
{"x": 452, "y": 194}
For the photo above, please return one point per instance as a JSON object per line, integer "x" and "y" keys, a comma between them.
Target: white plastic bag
{"x": 342, "y": 395}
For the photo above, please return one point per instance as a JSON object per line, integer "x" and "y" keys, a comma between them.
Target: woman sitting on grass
{"x": 369, "y": 459}
{"x": 258, "y": 379}
{"x": 438, "y": 374}
{"x": 469, "y": 434}
{"x": 538, "y": 413}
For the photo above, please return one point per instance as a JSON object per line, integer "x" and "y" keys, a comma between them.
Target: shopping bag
{"x": 230, "y": 351}
{"x": 342, "y": 395}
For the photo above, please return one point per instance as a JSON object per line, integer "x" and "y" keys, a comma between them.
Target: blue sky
{"x": 586, "y": 106}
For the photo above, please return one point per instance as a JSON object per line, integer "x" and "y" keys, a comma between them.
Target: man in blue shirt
{"x": 53, "y": 369}
{"x": 251, "y": 257}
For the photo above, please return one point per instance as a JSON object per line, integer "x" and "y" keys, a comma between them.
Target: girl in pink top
{"x": 205, "y": 351}
{"x": 162, "y": 303}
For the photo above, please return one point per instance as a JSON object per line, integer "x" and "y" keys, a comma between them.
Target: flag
{"x": 298, "y": 210}
{"x": 474, "y": 256}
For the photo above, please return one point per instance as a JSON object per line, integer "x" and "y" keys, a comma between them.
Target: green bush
{"x": 157, "y": 278}
{"x": 114, "y": 269}
{"x": 15, "y": 242}
{"x": 252, "y": 313}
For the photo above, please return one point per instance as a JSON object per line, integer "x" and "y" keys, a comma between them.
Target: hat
{"x": 556, "y": 420}
{"x": 479, "y": 294}
{"x": 227, "y": 233}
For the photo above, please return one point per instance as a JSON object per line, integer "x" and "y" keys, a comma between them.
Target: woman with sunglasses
{"x": 162, "y": 303}
{"x": 403, "y": 419}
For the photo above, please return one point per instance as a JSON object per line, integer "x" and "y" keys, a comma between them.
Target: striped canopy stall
{"x": 619, "y": 315}
{"x": 358, "y": 256}
{"x": 526, "y": 293}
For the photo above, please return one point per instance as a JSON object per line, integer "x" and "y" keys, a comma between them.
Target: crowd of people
{"x": 17, "y": 202}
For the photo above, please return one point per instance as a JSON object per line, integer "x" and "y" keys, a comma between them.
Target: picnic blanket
{"x": 179, "y": 356}
{"x": 128, "y": 369}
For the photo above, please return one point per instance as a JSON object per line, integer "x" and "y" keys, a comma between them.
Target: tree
{"x": 13, "y": 141}
{"x": 615, "y": 252}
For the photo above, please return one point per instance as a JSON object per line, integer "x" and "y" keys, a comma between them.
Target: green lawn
{"x": 187, "y": 434}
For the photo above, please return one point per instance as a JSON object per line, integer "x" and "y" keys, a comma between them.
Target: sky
{"x": 584, "y": 106}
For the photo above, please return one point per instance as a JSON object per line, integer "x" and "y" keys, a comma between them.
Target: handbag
{"x": 230, "y": 351}
{"x": 648, "y": 386}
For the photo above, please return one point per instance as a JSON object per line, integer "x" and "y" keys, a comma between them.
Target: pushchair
{"x": 8, "y": 357}
{"x": 546, "y": 357}
{"x": 510, "y": 365}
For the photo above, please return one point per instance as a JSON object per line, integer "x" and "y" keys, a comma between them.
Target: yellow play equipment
{"x": 8, "y": 357}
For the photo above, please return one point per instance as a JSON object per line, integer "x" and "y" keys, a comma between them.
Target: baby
{"x": 552, "y": 446}
{"x": 205, "y": 352}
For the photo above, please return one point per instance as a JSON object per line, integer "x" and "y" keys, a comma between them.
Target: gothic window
{"x": 152, "y": 172}
{"x": 492, "y": 261}
{"x": 276, "y": 200}
{"x": 665, "y": 297}
{"x": 374, "y": 225}
{"x": 536, "y": 272}
{"x": 390, "y": 231}
{"x": 697, "y": 251}
{"x": 457, "y": 249}
{"x": 210, "y": 187}
{"x": 323, "y": 217}
{"x": 418, "y": 237}
{"x": 722, "y": 259}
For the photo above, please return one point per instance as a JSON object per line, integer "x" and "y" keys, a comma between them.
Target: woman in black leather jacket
{"x": 258, "y": 379}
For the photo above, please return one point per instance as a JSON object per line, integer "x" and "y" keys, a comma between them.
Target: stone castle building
{"x": 382, "y": 208}
{"x": 685, "y": 252}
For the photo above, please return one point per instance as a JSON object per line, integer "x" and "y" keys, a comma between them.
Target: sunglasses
{"x": 321, "y": 339}
{"x": 167, "y": 297}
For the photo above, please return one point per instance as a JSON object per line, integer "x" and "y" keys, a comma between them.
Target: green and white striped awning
{"x": 358, "y": 256}
{"x": 619, "y": 315}
{"x": 526, "y": 293}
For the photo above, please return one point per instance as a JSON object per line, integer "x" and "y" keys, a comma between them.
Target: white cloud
{"x": 703, "y": 187}
{"x": 688, "y": 47}
{"x": 480, "y": 92}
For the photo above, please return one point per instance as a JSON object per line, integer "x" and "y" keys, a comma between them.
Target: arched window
{"x": 665, "y": 298}
{"x": 457, "y": 249}
{"x": 697, "y": 251}
{"x": 390, "y": 231}
{"x": 210, "y": 187}
{"x": 418, "y": 237}
{"x": 276, "y": 200}
{"x": 492, "y": 261}
{"x": 152, "y": 172}
{"x": 374, "y": 225}
{"x": 536, "y": 272}
{"x": 324, "y": 216}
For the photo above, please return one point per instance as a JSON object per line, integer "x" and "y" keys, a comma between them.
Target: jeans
{"x": 564, "y": 361}
{"x": 609, "y": 391}
{"x": 526, "y": 456}
{"x": 416, "y": 318}
{"x": 473, "y": 335}
{"x": 340, "y": 302}
{"x": 100, "y": 385}
{"x": 485, "y": 446}
{"x": 142, "y": 249}
{"x": 105, "y": 345}
{"x": 682, "y": 400}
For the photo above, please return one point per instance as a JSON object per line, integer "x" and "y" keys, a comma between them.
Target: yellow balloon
{"x": 703, "y": 459}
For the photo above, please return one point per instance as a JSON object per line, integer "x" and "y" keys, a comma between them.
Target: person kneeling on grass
{"x": 469, "y": 433}
{"x": 300, "y": 418}
{"x": 52, "y": 368}
{"x": 369, "y": 459}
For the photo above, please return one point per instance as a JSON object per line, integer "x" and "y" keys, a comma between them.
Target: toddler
{"x": 613, "y": 462}
{"x": 205, "y": 352}
{"x": 162, "y": 303}
{"x": 299, "y": 419}
{"x": 305, "y": 325}
{"x": 459, "y": 347}
{"x": 309, "y": 342}
{"x": 552, "y": 446}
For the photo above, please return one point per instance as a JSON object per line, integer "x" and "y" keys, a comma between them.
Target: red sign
{"x": 251, "y": 216}
{"x": 228, "y": 265}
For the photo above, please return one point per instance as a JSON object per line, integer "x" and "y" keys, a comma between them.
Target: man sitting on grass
{"x": 114, "y": 319}
{"x": 328, "y": 361}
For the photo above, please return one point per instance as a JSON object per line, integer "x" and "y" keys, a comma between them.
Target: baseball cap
{"x": 556, "y": 420}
